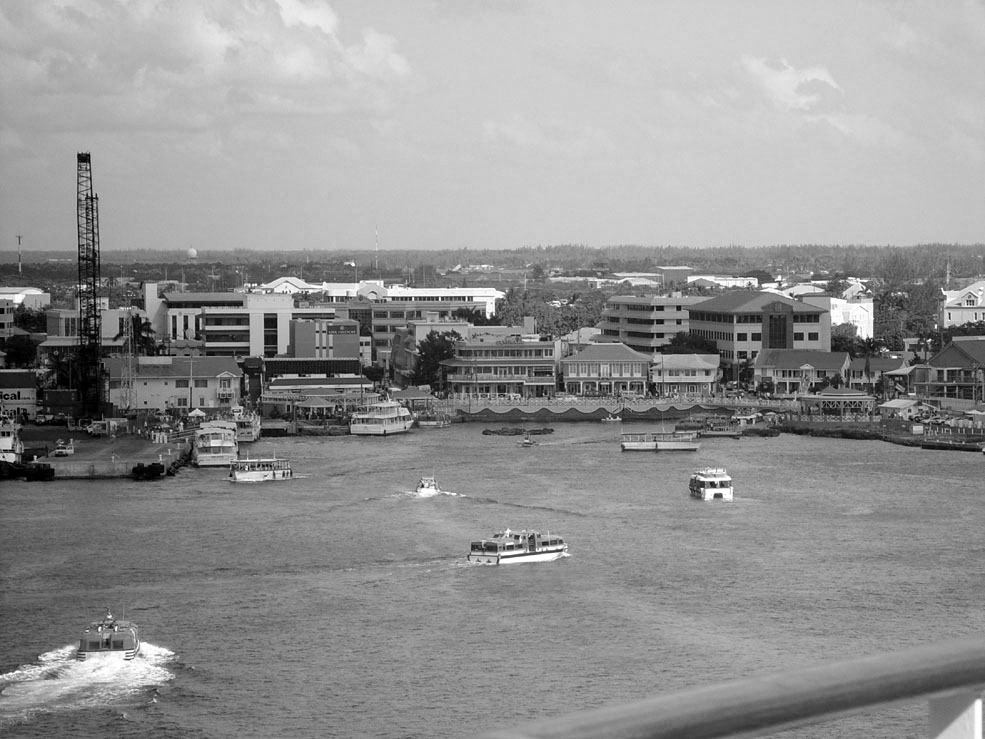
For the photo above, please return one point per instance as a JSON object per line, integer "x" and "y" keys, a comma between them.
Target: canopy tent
{"x": 197, "y": 413}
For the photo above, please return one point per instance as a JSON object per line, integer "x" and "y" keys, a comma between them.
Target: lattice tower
{"x": 90, "y": 330}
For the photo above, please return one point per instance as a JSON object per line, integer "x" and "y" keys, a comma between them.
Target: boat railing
{"x": 950, "y": 675}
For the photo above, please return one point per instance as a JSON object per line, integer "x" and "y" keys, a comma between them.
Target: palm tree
{"x": 144, "y": 343}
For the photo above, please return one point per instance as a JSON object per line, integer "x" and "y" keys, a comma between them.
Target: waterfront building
{"x": 744, "y": 323}
{"x": 321, "y": 338}
{"x": 606, "y": 369}
{"x": 795, "y": 371}
{"x": 684, "y": 374}
{"x": 493, "y": 364}
{"x": 866, "y": 373}
{"x": 954, "y": 377}
{"x": 958, "y": 307}
{"x": 182, "y": 383}
{"x": 646, "y": 323}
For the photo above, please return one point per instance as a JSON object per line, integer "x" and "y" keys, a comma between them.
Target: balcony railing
{"x": 951, "y": 675}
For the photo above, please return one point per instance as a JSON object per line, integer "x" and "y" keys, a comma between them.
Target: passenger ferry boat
{"x": 11, "y": 446}
{"x": 247, "y": 424}
{"x": 711, "y": 483}
{"x": 109, "y": 637}
{"x": 428, "y": 486}
{"x": 381, "y": 419}
{"x": 433, "y": 420}
{"x": 517, "y": 546}
{"x": 214, "y": 444}
{"x": 660, "y": 441}
{"x": 260, "y": 469}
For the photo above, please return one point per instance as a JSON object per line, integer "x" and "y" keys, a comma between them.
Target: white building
{"x": 959, "y": 307}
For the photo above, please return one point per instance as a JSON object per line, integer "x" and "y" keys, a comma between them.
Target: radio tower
{"x": 90, "y": 331}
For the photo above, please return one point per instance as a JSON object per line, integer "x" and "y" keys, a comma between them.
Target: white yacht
{"x": 711, "y": 483}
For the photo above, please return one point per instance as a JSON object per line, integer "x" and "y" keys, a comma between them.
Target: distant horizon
{"x": 350, "y": 125}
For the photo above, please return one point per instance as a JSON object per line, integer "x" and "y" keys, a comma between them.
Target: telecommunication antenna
{"x": 19, "y": 237}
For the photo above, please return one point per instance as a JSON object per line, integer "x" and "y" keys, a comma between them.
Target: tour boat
{"x": 247, "y": 424}
{"x": 428, "y": 486}
{"x": 518, "y": 546}
{"x": 611, "y": 419}
{"x": 214, "y": 444}
{"x": 433, "y": 420}
{"x": 711, "y": 483}
{"x": 724, "y": 428}
{"x": 260, "y": 469}
{"x": 109, "y": 637}
{"x": 381, "y": 419}
{"x": 660, "y": 441}
{"x": 11, "y": 446}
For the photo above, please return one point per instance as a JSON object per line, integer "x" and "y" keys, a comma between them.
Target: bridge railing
{"x": 950, "y": 675}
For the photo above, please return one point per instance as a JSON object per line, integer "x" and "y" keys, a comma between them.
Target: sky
{"x": 492, "y": 124}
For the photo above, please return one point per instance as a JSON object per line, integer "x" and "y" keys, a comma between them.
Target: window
{"x": 180, "y": 383}
{"x": 812, "y": 336}
{"x": 201, "y": 383}
{"x": 798, "y": 336}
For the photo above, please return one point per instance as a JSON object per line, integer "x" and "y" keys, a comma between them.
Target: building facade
{"x": 743, "y": 324}
{"x": 795, "y": 372}
{"x": 645, "y": 323}
{"x": 958, "y": 307}
{"x": 675, "y": 375}
{"x": 179, "y": 383}
{"x": 490, "y": 364}
{"x": 606, "y": 369}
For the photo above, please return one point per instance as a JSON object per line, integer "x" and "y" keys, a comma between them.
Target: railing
{"x": 951, "y": 675}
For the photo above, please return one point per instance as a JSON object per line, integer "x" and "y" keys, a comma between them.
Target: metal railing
{"x": 951, "y": 675}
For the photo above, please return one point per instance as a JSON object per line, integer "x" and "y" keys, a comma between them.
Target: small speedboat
{"x": 110, "y": 637}
{"x": 527, "y": 441}
{"x": 428, "y": 486}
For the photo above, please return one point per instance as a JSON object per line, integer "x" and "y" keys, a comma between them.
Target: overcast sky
{"x": 302, "y": 124}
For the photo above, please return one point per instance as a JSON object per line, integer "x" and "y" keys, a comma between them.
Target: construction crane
{"x": 90, "y": 329}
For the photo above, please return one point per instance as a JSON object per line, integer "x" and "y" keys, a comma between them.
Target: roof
{"x": 608, "y": 353}
{"x": 687, "y": 361}
{"x": 751, "y": 301}
{"x": 878, "y": 364}
{"x": 799, "y": 358}
{"x": 900, "y": 403}
{"x": 313, "y": 382}
{"x": 180, "y": 367}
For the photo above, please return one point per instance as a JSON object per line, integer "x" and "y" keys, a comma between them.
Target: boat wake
{"x": 58, "y": 682}
{"x": 429, "y": 494}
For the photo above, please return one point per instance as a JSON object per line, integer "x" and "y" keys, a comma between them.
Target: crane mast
{"x": 90, "y": 329}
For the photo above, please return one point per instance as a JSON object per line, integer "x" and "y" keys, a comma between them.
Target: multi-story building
{"x": 183, "y": 383}
{"x": 744, "y": 323}
{"x": 324, "y": 339}
{"x": 858, "y": 312}
{"x": 7, "y": 308}
{"x": 645, "y": 323}
{"x": 793, "y": 371}
{"x": 684, "y": 374}
{"x": 606, "y": 369}
{"x": 867, "y": 373}
{"x": 489, "y": 364}
{"x": 390, "y": 317}
{"x": 954, "y": 376}
{"x": 958, "y": 307}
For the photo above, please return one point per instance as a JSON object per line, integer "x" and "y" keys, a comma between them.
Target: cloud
{"x": 553, "y": 137}
{"x": 789, "y": 88}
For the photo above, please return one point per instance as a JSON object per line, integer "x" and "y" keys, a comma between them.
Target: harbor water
{"x": 340, "y": 604}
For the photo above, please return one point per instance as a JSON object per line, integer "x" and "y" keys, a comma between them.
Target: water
{"x": 340, "y": 604}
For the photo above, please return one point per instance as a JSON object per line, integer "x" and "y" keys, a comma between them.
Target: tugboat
{"x": 109, "y": 637}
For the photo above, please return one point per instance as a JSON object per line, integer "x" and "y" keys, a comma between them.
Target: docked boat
{"x": 109, "y": 637}
{"x": 381, "y": 419}
{"x": 433, "y": 420}
{"x": 711, "y": 483}
{"x": 611, "y": 419}
{"x": 721, "y": 428}
{"x": 260, "y": 469}
{"x": 11, "y": 446}
{"x": 247, "y": 424}
{"x": 517, "y": 546}
{"x": 214, "y": 444}
{"x": 428, "y": 486}
{"x": 657, "y": 441}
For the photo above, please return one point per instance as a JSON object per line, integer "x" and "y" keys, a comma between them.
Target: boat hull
{"x": 258, "y": 476}
{"x": 108, "y": 654}
{"x": 678, "y": 446}
{"x": 517, "y": 558}
{"x": 381, "y": 429}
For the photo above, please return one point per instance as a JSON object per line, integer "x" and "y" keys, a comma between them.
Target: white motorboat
{"x": 428, "y": 486}
{"x": 711, "y": 483}
{"x": 260, "y": 469}
{"x": 247, "y": 424}
{"x": 110, "y": 637}
{"x": 385, "y": 418}
{"x": 517, "y": 546}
